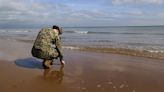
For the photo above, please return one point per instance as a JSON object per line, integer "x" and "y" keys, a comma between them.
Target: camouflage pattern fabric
{"x": 42, "y": 47}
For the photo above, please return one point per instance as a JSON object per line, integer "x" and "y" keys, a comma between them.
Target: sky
{"x": 75, "y": 13}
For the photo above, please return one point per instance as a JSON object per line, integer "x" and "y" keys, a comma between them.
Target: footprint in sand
{"x": 133, "y": 91}
{"x": 122, "y": 86}
{"x": 98, "y": 85}
{"x": 110, "y": 83}
{"x": 114, "y": 87}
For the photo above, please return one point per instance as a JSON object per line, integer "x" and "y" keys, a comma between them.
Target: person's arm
{"x": 59, "y": 48}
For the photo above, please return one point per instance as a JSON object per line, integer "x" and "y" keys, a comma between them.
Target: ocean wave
{"x": 107, "y": 32}
{"x": 78, "y": 32}
{"x": 71, "y": 47}
{"x": 157, "y": 54}
{"x": 156, "y": 51}
{"x": 143, "y": 52}
{"x": 15, "y": 31}
{"x": 87, "y": 32}
{"x": 25, "y": 31}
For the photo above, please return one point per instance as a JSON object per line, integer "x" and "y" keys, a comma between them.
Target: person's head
{"x": 57, "y": 28}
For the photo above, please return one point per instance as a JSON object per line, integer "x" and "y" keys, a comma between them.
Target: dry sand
{"x": 84, "y": 72}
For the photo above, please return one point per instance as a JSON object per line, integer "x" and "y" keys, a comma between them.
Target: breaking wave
{"x": 157, "y": 54}
{"x": 107, "y": 32}
{"x": 16, "y": 31}
{"x": 87, "y": 32}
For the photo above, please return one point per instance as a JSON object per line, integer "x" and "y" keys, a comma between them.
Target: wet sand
{"x": 84, "y": 72}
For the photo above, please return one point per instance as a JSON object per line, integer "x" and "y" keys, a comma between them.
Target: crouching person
{"x": 47, "y": 46}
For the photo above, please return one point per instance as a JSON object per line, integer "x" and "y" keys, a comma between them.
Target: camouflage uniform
{"x": 43, "y": 45}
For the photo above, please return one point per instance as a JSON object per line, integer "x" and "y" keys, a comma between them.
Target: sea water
{"x": 145, "y": 41}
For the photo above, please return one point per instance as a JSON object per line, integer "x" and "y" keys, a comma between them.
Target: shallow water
{"x": 137, "y": 40}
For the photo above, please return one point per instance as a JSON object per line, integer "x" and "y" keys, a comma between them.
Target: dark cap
{"x": 58, "y": 28}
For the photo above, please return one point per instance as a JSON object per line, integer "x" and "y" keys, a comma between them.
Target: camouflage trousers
{"x": 49, "y": 54}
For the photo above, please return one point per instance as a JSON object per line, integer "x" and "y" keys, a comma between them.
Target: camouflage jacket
{"x": 44, "y": 41}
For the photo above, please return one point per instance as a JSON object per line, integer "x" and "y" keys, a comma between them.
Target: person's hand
{"x": 62, "y": 62}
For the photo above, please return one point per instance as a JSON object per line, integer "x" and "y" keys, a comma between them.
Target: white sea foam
{"x": 19, "y": 31}
{"x": 81, "y": 32}
{"x": 15, "y": 31}
{"x": 155, "y": 51}
{"x": 71, "y": 47}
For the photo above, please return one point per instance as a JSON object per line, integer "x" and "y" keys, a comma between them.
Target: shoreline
{"x": 131, "y": 51}
{"x": 154, "y": 54}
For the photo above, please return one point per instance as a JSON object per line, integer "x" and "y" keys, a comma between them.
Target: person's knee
{"x": 55, "y": 55}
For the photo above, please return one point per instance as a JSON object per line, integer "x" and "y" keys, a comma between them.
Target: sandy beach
{"x": 84, "y": 72}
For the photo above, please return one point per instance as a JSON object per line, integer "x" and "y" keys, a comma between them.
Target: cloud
{"x": 25, "y": 12}
{"x": 75, "y": 12}
{"x": 119, "y": 2}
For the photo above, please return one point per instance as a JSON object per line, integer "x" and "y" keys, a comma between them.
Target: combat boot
{"x": 51, "y": 63}
{"x": 47, "y": 64}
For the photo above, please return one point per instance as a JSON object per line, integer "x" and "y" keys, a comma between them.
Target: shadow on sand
{"x": 31, "y": 63}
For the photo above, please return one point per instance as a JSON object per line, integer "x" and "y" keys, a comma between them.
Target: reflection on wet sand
{"x": 54, "y": 75}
